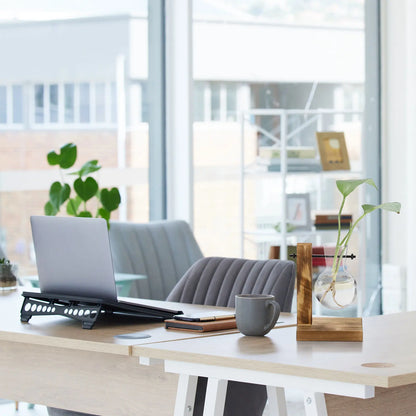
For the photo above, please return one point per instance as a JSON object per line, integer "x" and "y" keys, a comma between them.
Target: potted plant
{"x": 85, "y": 186}
{"x": 8, "y": 278}
{"x": 335, "y": 287}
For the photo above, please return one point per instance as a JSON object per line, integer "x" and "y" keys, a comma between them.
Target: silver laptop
{"x": 73, "y": 256}
{"x": 75, "y": 268}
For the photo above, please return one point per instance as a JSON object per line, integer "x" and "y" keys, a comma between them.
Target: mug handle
{"x": 274, "y": 308}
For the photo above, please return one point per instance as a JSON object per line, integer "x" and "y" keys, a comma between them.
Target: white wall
{"x": 399, "y": 136}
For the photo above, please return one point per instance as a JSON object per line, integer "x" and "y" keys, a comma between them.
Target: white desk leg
{"x": 277, "y": 401}
{"x": 315, "y": 404}
{"x": 215, "y": 397}
{"x": 185, "y": 396}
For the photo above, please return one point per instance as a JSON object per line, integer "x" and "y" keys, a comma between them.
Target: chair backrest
{"x": 161, "y": 250}
{"x": 216, "y": 281}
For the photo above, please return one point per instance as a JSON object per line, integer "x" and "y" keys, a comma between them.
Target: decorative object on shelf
{"x": 298, "y": 211}
{"x": 330, "y": 221}
{"x": 85, "y": 186}
{"x": 299, "y": 158}
{"x": 333, "y": 150}
{"x": 327, "y": 284}
{"x": 8, "y": 279}
{"x": 289, "y": 227}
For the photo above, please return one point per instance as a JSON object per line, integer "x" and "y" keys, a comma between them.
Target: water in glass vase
{"x": 335, "y": 288}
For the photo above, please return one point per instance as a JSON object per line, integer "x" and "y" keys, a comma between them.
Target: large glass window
{"x": 275, "y": 57}
{"x": 72, "y": 93}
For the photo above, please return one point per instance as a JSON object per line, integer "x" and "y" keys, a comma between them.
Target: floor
{"x": 294, "y": 407}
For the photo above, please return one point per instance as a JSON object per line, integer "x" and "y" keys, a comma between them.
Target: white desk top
{"x": 389, "y": 348}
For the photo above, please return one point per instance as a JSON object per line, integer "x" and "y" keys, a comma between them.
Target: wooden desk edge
{"x": 69, "y": 343}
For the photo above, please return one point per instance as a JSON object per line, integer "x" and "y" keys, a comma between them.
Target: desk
{"x": 123, "y": 281}
{"x": 381, "y": 369}
{"x": 54, "y": 362}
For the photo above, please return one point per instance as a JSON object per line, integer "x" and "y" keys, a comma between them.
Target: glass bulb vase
{"x": 335, "y": 288}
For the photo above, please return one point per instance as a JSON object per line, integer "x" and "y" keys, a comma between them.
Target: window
{"x": 3, "y": 104}
{"x": 215, "y": 102}
{"x": 53, "y": 103}
{"x": 69, "y": 103}
{"x": 100, "y": 103}
{"x": 69, "y": 100}
{"x": 17, "y": 104}
{"x": 39, "y": 103}
{"x": 84, "y": 103}
{"x": 231, "y": 102}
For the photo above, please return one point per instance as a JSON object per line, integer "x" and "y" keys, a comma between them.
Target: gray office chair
{"x": 161, "y": 250}
{"x": 216, "y": 281}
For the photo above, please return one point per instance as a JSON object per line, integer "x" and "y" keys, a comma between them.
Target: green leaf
{"x": 73, "y": 205}
{"x": 49, "y": 209}
{"x": 87, "y": 168}
{"x": 110, "y": 198}
{"x": 388, "y": 206}
{"x": 68, "y": 155}
{"x": 53, "y": 158}
{"x": 66, "y": 158}
{"x": 103, "y": 213}
{"x": 348, "y": 186}
{"x": 58, "y": 194}
{"x": 86, "y": 189}
{"x": 86, "y": 214}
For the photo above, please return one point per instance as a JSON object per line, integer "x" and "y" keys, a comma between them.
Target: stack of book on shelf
{"x": 330, "y": 221}
{"x": 299, "y": 158}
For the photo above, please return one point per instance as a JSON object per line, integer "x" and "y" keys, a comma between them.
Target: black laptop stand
{"x": 86, "y": 310}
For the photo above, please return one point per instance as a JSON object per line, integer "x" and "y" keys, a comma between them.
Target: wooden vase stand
{"x": 318, "y": 328}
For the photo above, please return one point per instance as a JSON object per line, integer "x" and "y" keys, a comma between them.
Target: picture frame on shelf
{"x": 333, "y": 150}
{"x": 298, "y": 211}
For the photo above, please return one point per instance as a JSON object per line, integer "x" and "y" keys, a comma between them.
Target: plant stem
{"x": 337, "y": 258}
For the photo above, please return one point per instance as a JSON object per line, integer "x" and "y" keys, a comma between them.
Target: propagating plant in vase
{"x": 86, "y": 188}
{"x": 335, "y": 288}
{"x": 8, "y": 279}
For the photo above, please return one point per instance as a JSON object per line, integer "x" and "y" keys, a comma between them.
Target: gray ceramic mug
{"x": 256, "y": 315}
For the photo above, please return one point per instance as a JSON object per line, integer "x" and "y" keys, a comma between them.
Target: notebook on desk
{"x": 74, "y": 261}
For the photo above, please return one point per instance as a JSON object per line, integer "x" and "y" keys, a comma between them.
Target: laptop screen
{"x": 73, "y": 256}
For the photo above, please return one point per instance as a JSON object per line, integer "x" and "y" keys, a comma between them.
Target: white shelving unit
{"x": 282, "y": 135}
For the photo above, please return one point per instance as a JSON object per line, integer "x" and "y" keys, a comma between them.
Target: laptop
{"x": 74, "y": 262}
